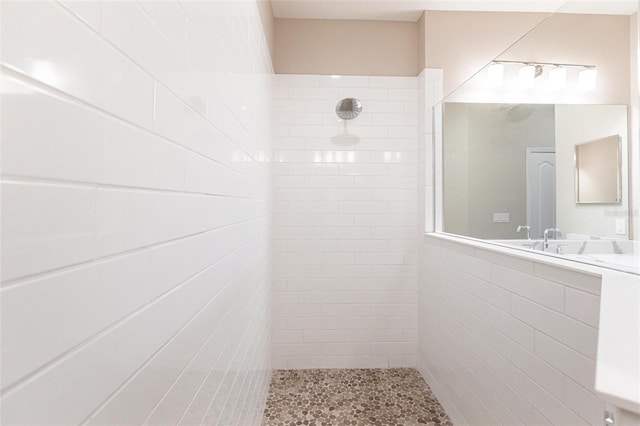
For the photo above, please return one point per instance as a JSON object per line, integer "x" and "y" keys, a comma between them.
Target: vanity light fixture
{"x": 529, "y": 71}
{"x": 557, "y": 77}
{"x": 587, "y": 79}
{"x": 495, "y": 74}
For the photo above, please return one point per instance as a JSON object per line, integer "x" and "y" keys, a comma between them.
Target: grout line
{"x": 247, "y": 351}
{"x": 27, "y": 279}
{"x": 156, "y": 81}
{"x": 37, "y": 180}
{"x": 132, "y": 377}
{"x": 48, "y": 366}
{"x": 239, "y": 343}
{"x": 202, "y": 347}
{"x": 80, "y": 19}
{"x": 17, "y": 74}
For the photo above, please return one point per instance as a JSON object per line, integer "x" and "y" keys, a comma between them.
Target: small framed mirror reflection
{"x": 598, "y": 171}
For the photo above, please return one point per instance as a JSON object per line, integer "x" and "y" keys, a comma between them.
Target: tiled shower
{"x": 345, "y": 223}
{"x": 178, "y": 221}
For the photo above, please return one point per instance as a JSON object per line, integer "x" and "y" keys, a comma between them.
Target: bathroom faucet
{"x": 527, "y": 228}
{"x": 557, "y": 233}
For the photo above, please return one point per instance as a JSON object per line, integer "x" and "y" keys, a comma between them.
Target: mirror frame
{"x": 618, "y": 171}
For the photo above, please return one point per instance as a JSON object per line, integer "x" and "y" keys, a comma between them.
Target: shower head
{"x": 348, "y": 108}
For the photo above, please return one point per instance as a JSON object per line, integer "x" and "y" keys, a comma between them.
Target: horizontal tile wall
{"x": 345, "y": 220}
{"x": 505, "y": 340}
{"x": 135, "y": 212}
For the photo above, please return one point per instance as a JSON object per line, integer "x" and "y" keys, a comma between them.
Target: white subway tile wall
{"x": 345, "y": 223}
{"x": 136, "y": 176}
{"x": 505, "y": 340}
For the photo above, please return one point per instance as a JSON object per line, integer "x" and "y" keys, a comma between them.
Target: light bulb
{"x": 526, "y": 75}
{"x": 557, "y": 77}
{"x": 495, "y": 74}
{"x": 587, "y": 79}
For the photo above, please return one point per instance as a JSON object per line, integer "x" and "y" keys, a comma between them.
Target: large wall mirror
{"x": 528, "y": 148}
{"x": 511, "y": 165}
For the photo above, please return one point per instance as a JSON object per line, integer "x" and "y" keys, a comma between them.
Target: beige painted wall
{"x": 317, "y": 46}
{"x": 266, "y": 16}
{"x": 422, "y": 51}
{"x": 461, "y": 43}
{"x": 601, "y": 40}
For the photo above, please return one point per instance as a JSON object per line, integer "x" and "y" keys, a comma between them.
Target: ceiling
{"x": 410, "y": 10}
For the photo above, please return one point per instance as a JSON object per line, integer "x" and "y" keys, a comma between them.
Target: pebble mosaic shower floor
{"x": 364, "y": 397}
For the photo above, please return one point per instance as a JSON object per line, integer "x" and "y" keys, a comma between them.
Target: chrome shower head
{"x": 348, "y": 108}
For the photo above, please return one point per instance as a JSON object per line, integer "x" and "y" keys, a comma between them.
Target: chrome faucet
{"x": 557, "y": 233}
{"x": 527, "y": 228}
